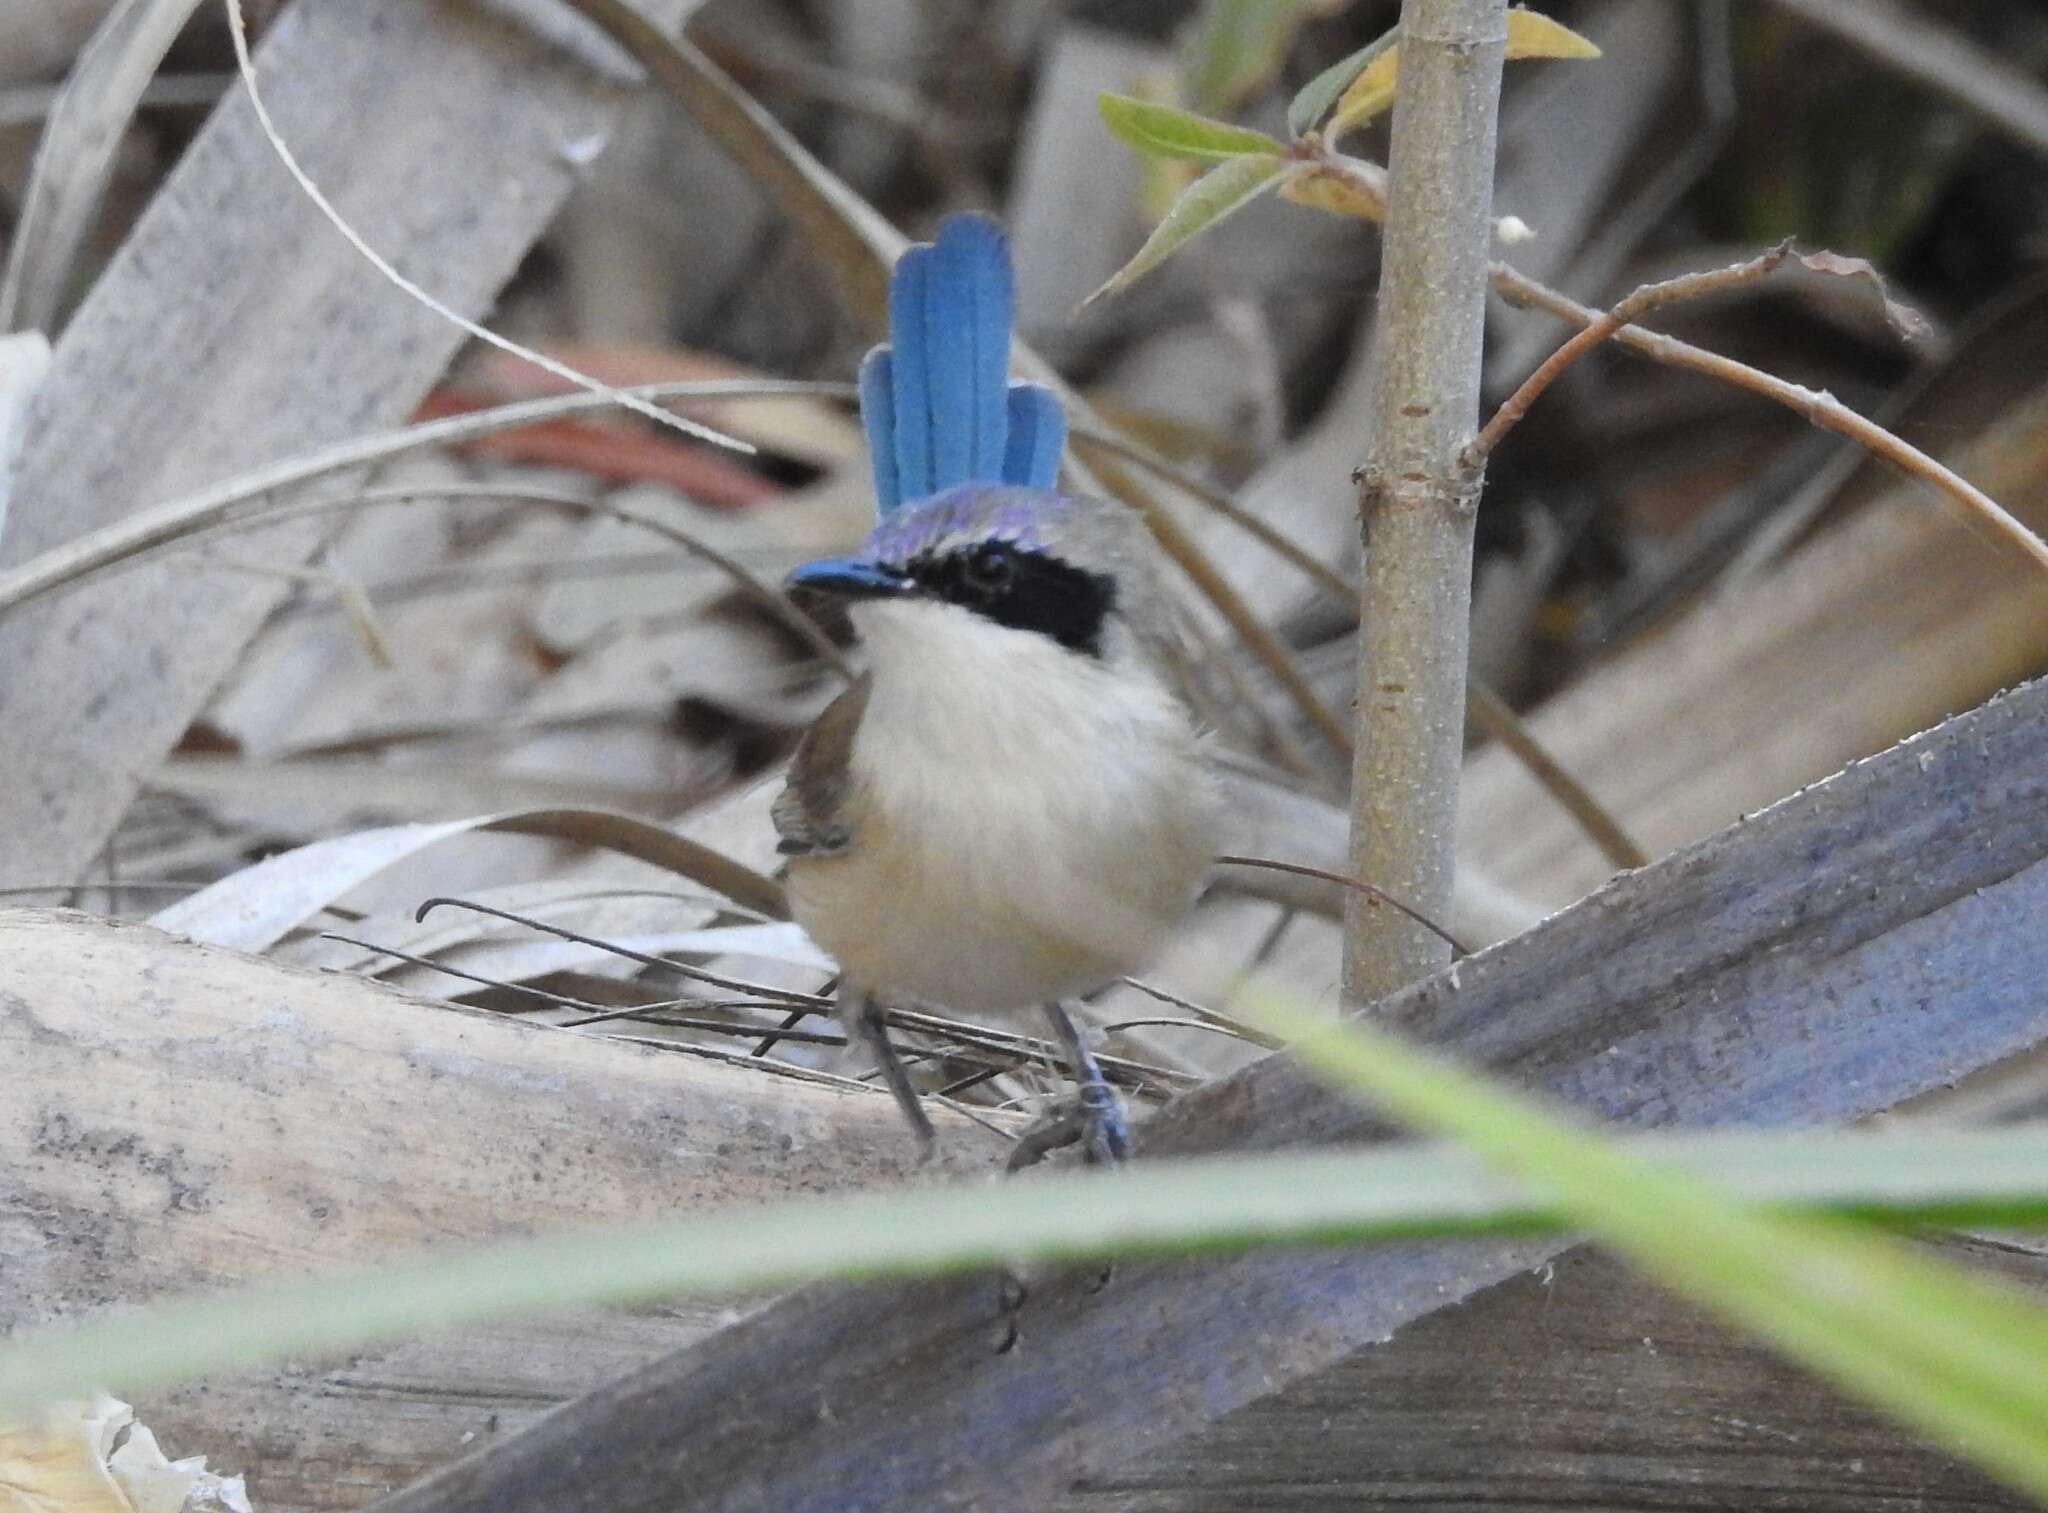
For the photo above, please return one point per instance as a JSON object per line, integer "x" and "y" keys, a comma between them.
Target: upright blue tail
{"x": 936, "y": 402}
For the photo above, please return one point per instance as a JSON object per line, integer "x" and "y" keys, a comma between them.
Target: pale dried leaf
{"x": 1902, "y": 318}
{"x": 68, "y": 1462}
{"x": 1357, "y": 189}
{"x": 258, "y": 906}
{"x": 58, "y": 1463}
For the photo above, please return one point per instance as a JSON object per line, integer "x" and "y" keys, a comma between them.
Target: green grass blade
{"x": 1956, "y": 1356}
{"x": 1158, "y": 1208}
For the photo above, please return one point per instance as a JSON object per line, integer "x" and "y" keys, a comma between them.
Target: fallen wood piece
{"x": 179, "y": 1118}
{"x": 1865, "y": 940}
{"x": 1581, "y": 1386}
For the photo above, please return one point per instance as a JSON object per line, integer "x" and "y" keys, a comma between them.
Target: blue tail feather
{"x": 936, "y": 402}
{"x": 878, "y": 419}
{"x": 909, "y": 347}
{"x": 1038, "y": 435}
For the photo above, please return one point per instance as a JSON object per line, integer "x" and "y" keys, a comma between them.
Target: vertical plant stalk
{"x": 1416, "y": 499}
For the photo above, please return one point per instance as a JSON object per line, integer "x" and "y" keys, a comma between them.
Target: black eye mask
{"x": 1025, "y": 590}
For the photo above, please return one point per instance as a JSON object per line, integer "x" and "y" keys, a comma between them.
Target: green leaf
{"x": 1157, "y": 1208}
{"x": 1939, "y": 1348}
{"x": 1226, "y": 188}
{"x": 1315, "y": 98}
{"x": 1169, "y": 132}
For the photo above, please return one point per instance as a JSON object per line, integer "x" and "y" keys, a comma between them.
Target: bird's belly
{"x": 1003, "y": 902}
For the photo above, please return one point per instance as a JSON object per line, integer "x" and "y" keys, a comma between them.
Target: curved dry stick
{"x": 1263, "y": 641}
{"x": 1206, "y": 1016}
{"x": 238, "y": 34}
{"x": 161, "y": 523}
{"x": 857, "y": 243}
{"x": 1356, "y": 885}
{"x": 1979, "y": 510}
{"x": 1487, "y": 710}
{"x": 681, "y": 969}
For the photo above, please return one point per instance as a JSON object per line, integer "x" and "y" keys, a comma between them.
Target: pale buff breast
{"x": 1027, "y": 825}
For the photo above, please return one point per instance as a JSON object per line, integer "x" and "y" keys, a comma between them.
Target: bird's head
{"x": 1078, "y": 573}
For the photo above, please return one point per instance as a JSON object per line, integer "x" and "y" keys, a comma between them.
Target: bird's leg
{"x": 1096, "y": 1118}
{"x": 866, "y": 1021}
{"x": 1094, "y": 1121}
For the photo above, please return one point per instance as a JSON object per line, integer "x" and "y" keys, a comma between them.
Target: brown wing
{"x": 809, "y": 813}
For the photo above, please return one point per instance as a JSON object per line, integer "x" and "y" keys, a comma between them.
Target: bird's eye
{"x": 988, "y": 571}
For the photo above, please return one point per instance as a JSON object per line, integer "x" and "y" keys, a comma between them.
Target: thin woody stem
{"x": 1978, "y": 510}
{"x": 1417, "y": 500}
{"x": 1649, "y": 297}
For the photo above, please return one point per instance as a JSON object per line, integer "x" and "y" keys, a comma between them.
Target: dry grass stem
{"x": 1332, "y": 582}
{"x": 75, "y": 155}
{"x": 157, "y": 525}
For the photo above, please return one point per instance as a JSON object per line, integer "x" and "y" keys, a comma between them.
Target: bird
{"x": 1010, "y": 807}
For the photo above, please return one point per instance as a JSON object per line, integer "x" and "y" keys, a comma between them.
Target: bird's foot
{"x": 1093, "y": 1120}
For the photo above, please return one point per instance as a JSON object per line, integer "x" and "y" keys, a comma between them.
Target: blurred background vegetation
{"x": 1697, "y": 601}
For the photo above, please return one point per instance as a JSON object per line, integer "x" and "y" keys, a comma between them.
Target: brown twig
{"x": 1979, "y": 510}
{"x": 646, "y": 959}
{"x": 1206, "y": 1016}
{"x": 1649, "y": 297}
{"x": 1489, "y": 712}
{"x": 1495, "y": 717}
{"x": 1373, "y": 896}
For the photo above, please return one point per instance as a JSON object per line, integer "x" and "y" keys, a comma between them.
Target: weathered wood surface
{"x": 236, "y": 327}
{"x": 1890, "y": 622}
{"x": 176, "y": 1118}
{"x": 1581, "y": 1386}
{"x": 1862, "y": 941}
